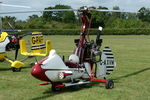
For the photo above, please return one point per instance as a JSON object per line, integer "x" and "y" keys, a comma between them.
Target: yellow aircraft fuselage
{"x": 4, "y": 40}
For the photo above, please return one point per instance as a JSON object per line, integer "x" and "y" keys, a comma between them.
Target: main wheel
{"x": 16, "y": 69}
{"x": 109, "y": 84}
{"x": 54, "y": 88}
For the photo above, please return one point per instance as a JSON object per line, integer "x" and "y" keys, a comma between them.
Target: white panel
{"x": 3, "y": 45}
{"x": 54, "y": 62}
{"x": 107, "y": 64}
{"x": 101, "y": 68}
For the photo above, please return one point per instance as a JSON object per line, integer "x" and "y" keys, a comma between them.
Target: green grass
{"x": 132, "y": 74}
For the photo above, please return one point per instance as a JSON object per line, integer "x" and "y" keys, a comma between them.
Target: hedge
{"x": 106, "y": 31}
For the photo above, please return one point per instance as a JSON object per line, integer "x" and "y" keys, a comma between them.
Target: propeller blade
{"x": 15, "y": 6}
{"x": 17, "y": 49}
{"x": 10, "y": 26}
{"x": 16, "y": 53}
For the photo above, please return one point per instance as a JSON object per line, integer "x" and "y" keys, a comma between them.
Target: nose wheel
{"x": 55, "y": 88}
{"x": 109, "y": 84}
{"x": 16, "y": 69}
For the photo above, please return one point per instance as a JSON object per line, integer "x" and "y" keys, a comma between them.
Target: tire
{"x": 16, "y": 69}
{"x": 109, "y": 84}
{"x": 54, "y": 88}
{"x": 76, "y": 87}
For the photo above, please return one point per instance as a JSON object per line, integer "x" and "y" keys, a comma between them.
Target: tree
{"x": 33, "y": 16}
{"x": 99, "y": 18}
{"x": 48, "y": 15}
{"x": 9, "y": 19}
{"x": 144, "y": 14}
{"x": 67, "y": 17}
{"x": 35, "y": 22}
{"x": 116, "y": 14}
{"x": 21, "y": 24}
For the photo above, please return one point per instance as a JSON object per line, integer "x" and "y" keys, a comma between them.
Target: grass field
{"x": 132, "y": 74}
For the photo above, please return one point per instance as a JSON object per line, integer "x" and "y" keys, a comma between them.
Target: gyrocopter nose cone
{"x": 39, "y": 73}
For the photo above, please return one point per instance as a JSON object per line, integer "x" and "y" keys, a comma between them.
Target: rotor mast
{"x": 85, "y": 17}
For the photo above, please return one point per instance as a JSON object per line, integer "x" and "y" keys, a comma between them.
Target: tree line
{"x": 71, "y": 20}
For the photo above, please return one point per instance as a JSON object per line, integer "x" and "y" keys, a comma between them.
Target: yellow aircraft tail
{"x": 37, "y": 46}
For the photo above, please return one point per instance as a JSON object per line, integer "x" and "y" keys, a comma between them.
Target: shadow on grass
{"x": 6, "y": 69}
{"x": 132, "y": 74}
{"x": 49, "y": 93}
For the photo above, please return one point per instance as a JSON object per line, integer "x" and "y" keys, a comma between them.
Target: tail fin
{"x": 107, "y": 63}
{"x": 37, "y": 46}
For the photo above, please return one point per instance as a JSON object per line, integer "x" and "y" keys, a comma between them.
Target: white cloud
{"x": 130, "y": 5}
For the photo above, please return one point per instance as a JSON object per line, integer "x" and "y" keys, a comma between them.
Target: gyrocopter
{"x": 10, "y": 42}
{"x": 85, "y": 65}
{"x": 82, "y": 67}
{"x": 15, "y": 42}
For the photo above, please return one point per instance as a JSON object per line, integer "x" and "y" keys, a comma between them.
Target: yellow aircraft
{"x": 4, "y": 40}
{"x": 37, "y": 48}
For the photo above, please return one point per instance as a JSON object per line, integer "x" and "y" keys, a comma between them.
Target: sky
{"x": 125, "y": 5}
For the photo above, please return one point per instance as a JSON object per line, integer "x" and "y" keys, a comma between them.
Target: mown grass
{"x": 132, "y": 74}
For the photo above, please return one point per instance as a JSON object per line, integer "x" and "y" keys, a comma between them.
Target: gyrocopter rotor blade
{"x": 107, "y": 10}
{"x": 9, "y": 5}
{"x": 63, "y": 10}
{"x": 0, "y": 24}
{"x": 52, "y": 10}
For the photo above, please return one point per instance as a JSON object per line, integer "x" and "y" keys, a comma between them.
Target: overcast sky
{"x": 126, "y": 5}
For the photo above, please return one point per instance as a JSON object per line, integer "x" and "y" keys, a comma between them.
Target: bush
{"x": 127, "y": 31}
{"x": 115, "y": 31}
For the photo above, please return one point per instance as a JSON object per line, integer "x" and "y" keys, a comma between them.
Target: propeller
{"x": 15, "y": 38}
{"x": 17, "y": 46}
{"x": 10, "y": 26}
{"x": 16, "y": 53}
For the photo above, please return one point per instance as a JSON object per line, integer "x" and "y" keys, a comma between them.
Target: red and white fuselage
{"x": 53, "y": 69}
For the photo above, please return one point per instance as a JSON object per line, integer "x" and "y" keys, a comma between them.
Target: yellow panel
{"x": 48, "y": 47}
{"x": 38, "y": 46}
{"x": 37, "y": 38}
{"x": 23, "y": 48}
{"x": 3, "y": 36}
